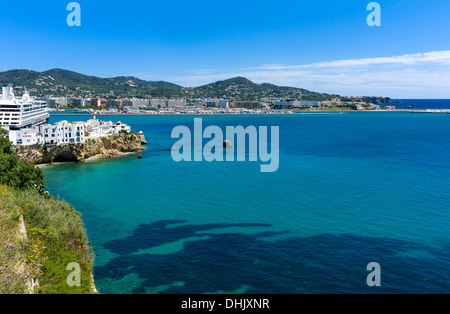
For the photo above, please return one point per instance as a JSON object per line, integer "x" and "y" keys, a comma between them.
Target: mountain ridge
{"x": 60, "y": 82}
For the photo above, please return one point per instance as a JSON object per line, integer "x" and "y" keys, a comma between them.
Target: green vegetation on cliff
{"x": 15, "y": 173}
{"x": 39, "y": 235}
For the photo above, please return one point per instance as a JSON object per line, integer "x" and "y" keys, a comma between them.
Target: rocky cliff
{"x": 103, "y": 147}
{"x": 370, "y": 100}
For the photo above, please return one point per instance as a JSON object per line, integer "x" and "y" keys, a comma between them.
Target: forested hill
{"x": 58, "y": 82}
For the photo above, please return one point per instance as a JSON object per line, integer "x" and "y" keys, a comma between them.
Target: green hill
{"x": 241, "y": 88}
{"x": 59, "y": 82}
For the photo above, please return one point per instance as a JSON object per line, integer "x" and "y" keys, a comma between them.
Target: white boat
{"x": 24, "y": 112}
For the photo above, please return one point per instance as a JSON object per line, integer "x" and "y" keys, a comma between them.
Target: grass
{"x": 14, "y": 269}
{"x": 55, "y": 237}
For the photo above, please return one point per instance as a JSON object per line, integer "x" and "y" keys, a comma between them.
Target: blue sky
{"x": 322, "y": 45}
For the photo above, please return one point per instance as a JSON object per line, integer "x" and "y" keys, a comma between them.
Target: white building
{"x": 80, "y": 102}
{"x": 63, "y": 132}
{"x": 223, "y": 104}
{"x": 217, "y": 103}
{"x": 296, "y": 104}
{"x": 158, "y": 103}
{"x": 176, "y": 103}
{"x": 27, "y": 136}
{"x": 96, "y": 128}
{"x": 140, "y": 102}
{"x": 164, "y": 103}
{"x": 56, "y": 102}
{"x": 119, "y": 126}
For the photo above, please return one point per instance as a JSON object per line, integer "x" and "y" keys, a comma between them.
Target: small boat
{"x": 410, "y": 107}
{"x": 140, "y": 157}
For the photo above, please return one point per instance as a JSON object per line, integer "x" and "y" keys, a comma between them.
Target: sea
{"x": 422, "y": 103}
{"x": 350, "y": 190}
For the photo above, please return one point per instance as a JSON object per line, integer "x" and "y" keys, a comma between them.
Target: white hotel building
{"x": 27, "y": 136}
{"x": 65, "y": 132}
{"x": 95, "y": 128}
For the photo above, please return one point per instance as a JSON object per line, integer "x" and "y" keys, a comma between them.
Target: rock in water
{"x": 142, "y": 136}
{"x": 227, "y": 144}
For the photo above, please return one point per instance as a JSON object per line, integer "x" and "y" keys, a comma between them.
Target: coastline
{"x": 238, "y": 114}
{"x": 87, "y": 160}
{"x": 106, "y": 147}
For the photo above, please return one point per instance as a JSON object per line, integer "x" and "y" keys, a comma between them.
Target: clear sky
{"x": 321, "y": 45}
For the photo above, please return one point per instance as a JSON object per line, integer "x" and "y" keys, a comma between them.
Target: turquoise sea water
{"x": 350, "y": 190}
{"x": 423, "y": 103}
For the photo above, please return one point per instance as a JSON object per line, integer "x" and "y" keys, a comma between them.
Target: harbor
{"x": 431, "y": 111}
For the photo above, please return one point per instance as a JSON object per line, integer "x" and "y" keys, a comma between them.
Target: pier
{"x": 431, "y": 111}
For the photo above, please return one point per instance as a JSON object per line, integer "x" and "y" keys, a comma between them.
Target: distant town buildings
{"x": 98, "y": 102}
{"x": 63, "y": 102}
{"x": 140, "y": 103}
{"x": 167, "y": 103}
{"x": 82, "y": 102}
{"x": 296, "y": 104}
{"x": 115, "y": 103}
{"x": 218, "y": 104}
{"x": 246, "y": 104}
{"x": 57, "y": 102}
{"x": 271, "y": 99}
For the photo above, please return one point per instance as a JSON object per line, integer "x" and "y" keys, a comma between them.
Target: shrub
{"x": 16, "y": 174}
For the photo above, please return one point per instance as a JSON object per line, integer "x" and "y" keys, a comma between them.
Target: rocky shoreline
{"x": 105, "y": 147}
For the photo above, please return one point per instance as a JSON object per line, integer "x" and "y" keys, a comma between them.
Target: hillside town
{"x": 204, "y": 105}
